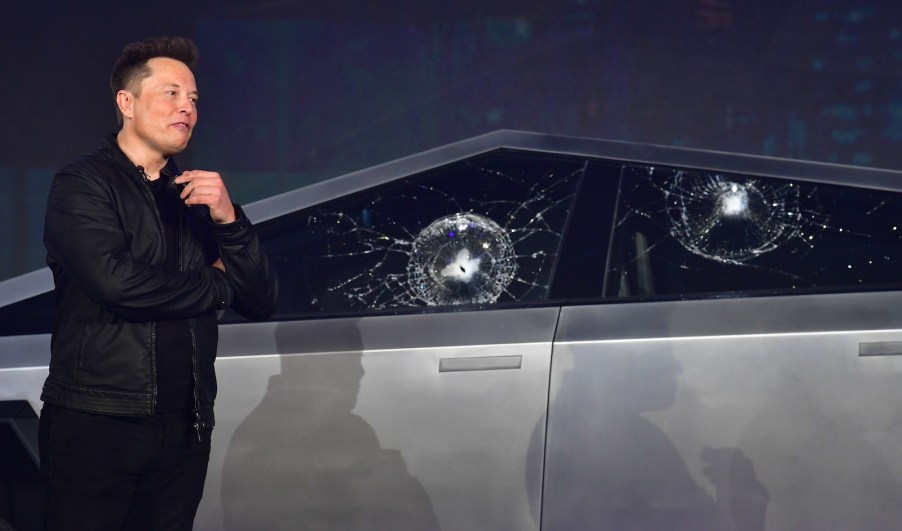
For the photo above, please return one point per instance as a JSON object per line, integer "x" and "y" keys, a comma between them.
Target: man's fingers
{"x": 207, "y": 188}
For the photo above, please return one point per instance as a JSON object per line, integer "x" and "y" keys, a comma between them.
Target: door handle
{"x": 881, "y": 348}
{"x": 482, "y": 363}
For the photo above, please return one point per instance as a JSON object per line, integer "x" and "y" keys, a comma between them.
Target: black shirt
{"x": 175, "y": 380}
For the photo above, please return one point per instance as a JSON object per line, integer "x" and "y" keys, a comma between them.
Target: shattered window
{"x": 481, "y": 231}
{"x": 522, "y": 227}
{"x": 683, "y": 231}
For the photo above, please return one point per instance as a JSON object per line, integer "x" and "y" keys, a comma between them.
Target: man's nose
{"x": 186, "y": 106}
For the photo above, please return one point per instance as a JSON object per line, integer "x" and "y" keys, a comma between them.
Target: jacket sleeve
{"x": 249, "y": 270}
{"x": 86, "y": 239}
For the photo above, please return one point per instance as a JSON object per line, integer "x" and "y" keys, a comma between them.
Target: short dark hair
{"x": 131, "y": 66}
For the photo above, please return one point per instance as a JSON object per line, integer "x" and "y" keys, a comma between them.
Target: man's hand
{"x": 206, "y": 188}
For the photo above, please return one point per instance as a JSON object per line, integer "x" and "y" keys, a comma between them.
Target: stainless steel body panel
{"x": 23, "y": 368}
{"x": 349, "y": 424}
{"x": 739, "y": 414}
{"x": 22, "y": 374}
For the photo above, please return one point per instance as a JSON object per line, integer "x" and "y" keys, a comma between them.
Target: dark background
{"x": 296, "y": 92}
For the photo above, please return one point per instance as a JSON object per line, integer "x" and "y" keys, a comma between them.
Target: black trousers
{"x": 113, "y": 473}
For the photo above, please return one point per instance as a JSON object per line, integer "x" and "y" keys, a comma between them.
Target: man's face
{"x": 164, "y": 111}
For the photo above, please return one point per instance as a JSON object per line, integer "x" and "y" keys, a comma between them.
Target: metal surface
{"x": 362, "y": 431}
{"x": 25, "y": 286}
{"x": 731, "y": 317}
{"x": 741, "y": 414}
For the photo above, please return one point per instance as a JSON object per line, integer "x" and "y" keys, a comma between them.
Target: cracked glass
{"x": 518, "y": 227}
{"x": 682, "y": 231}
{"x": 481, "y": 231}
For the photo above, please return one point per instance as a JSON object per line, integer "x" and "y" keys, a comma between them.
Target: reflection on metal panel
{"x": 609, "y": 467}
{"x": 368, "y": 434}
{"x": 303, "y": 456}
{"x": 763, "y": 430}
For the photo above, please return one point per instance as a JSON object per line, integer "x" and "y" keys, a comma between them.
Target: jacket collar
{"x": 119, "y": 157}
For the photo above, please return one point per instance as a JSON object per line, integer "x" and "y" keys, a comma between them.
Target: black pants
{"x": 121, "y": 473}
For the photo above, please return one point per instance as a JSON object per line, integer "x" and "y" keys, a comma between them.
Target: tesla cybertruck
{"x": 523, "y": 331}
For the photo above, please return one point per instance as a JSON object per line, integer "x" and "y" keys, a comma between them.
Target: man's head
{"x": 155, "y": 96}
{"x": 131, "y": 68}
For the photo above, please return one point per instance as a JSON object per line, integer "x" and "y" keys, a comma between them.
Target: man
{"x": 143, "y": 256}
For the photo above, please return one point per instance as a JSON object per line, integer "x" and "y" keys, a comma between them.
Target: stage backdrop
{"x": 296, "y": 92}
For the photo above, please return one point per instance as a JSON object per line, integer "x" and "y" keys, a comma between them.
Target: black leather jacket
{"x": 105, "y": 244}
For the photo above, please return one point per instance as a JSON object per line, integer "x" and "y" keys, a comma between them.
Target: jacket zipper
{"x": 199, "y": 425}
{"x": 198, "y": 421}
{"x": 153, "y": 325}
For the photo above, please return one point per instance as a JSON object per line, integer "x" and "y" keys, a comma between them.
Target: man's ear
{"x": 125, "y": 100}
